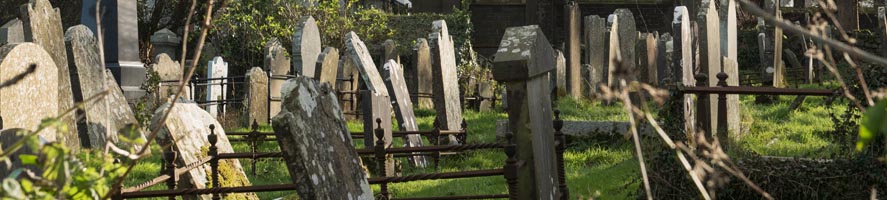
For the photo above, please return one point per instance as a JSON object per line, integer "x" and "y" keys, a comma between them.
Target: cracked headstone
{"x": 306, "y": 47}
{"x": 446, "y": 86}
{"x": 278, "y": 64}
{"x": 217, "y": 87}
{"x": 403, "y": 107}
{"x": 26, "y": 103}
{"x": 326, "y": 67}
{"x": 257, "y": 102}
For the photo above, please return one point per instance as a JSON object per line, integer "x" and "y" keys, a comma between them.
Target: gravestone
{"x": 652, "y": 57}
{"x": 377, "y": 107}
{"x": 765, "y": 52}
{"x": 168, "y": 71}
{"x": 42, "y": 25}
{"x": 628, "y": 37}
{"x": 614, "y": 52}
{"x": 485, "y": 89}
{"x": 216, "y": 89}
{"x": 29, "y": 101}
{"x": 12, "y": 32}
{"x": 257, "y": 102}
{"x": 362, "y": 59}
{"x": 101, "y": 120}
{"x": 278, "y": 64}
{"x": 348, "y": 79}
{"x": 559, "y": 75}
{"x": 729, "y": 42}
{"x": 316, "y": 143}
{"x": 120, "y": 30}
{"x": 572, "y": 51}
{"x": 165, "y": 41}
{"x": 664, "y": 51}
{"x": 424, "y": 80}
{"x": 778, "y": 65}
{"x": 446, "y": 86}
{"x": 731, "y": 68}
{"x": 522, "y": 62}
{"x": 597, "y": 51}
{"x": 186, "y": 130}
{"x": 390, "y": 53}
{"x": 326, "y": 67}
{"x": 710, "y": 55}
{"x": 683, "y": 71}
{"x": 641, "y": 55}
{"x": 306, "y": 47}
{"x": 403, "y": 107}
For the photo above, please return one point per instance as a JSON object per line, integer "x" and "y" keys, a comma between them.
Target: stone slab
{"x": 445, "y": 77}
{"x": 34, "y": 97}
{"x": 306, "y": 47}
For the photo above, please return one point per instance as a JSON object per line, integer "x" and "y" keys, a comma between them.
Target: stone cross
{"x": 22, "y": 105}
{"x": 522, "y": 62}
{"x": 306, "y": 47}
{"x": 326, "y": 67}
{"x": 446, "y": 87}
{"x": 278, "y": 65}
{"x": 423, "y": 75}
{"x": 314, "y": 138}
{"x": 165, "y": 41}
{"x": 121, "y": 42}
{"x": 257, "y": 96}
{"x": 573, "y": 49}
{"x": 42, "y": 25}
{"x": 12, "y": 32}
{"x": 597, "y": 51}
{"x": 216, "y": 90}
{"x": 403, "y": 107}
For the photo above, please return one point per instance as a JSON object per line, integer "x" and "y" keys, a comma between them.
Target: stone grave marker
{"x": 377, "y": 107}
{"x": 683, "y": 71}
{"x": 390, "y": 48}
{"x": 614, "y": 53}
{"x": 485, "y": 89}
{"x": 348, "y": 78}
{"x": 729, "y": 41}
{"x": 446, "y": 87}
{"x": 165, "y": 41}
{"x": 424, "y": 80}
{"x": 316, "y": 143}
{"x": 121, "y": 43}
{"x": 710, "y": 55}
{"x": 652, "y": 57}
{"x": 628, "y": 37}
{"x": 42, "y": 25}
{"x": 731, "y": 68}
{"x": 765, "y": 52}
{"x": 306, "y": 47}
{"x": 187, "y": 129}
{"x": 102, "y": 119}
{"x": 26, "y": 103}
{"x": 522, "y": 62}
{"x": 216, "y": 89}
{"x": 12, "y": 32}
{"x": 362, "y": 59}
{"x": 641, "y": 54}
{"x": 257, "y": 108}
{"x": 573, "y": 49}
{"x": 278, "y": 64}
{"x": 326, "y": 67}
{"x": 403, "y": 107}
{"x": 167, "y": 70}
{"x": 664, "y": 59}
{"x": 597, "y": 51}
{"x": 559, "y": 75}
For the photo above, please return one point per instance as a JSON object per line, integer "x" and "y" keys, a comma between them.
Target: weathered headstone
{"x": 710, "y": 54}
{"x": 316, "y": 143}
{"x": 765, "y": 52}
{"x": 559, "y": 75}
{"x": 306, "y": 47}
{"x": 165, "y": 41}
{"x": 597, "y": 51}
{"x": 390, "y": 53}
{"x": 683, "y": 72}
{"x": 102, "y": 119}
{"x": 731, "y": 68}
{"x": 377, "y": 107}
{"x": 120, "y": 30}
{"x": 424, "y": 80}
{"x": 257, "y": 101}
{"x": 614, "y": 54}
{"x": 522, "y": 62}
{"x": 664, "y": 59}
{"x": 573, "y": 48}
{"x": 642, "y": 62}
{"x": 446, "y": 87}
{"x": 403, "y": 107}
{"x": 652, "y": 57}
{"x": 327, "y": 66}
{"x": 216, "y": 89}
{"x": 485, "y": 91}
{"x": 362, "y": 59}
{"x": 628, "y": 37}
{"x": 778, "y": 65}
{"x": 29, "y": 101}
{"x": 348, "y": 79}
{"x": 186, "y": 130}
{"x": 168, "y": 71}
{"x": 729, "y": 42}
{"x": 278, "y": 64}
{"x": 12, "y": 32}
{"x": 42, "y": 25}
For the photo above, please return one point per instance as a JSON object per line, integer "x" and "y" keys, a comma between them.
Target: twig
{"x": 637, "y": 141}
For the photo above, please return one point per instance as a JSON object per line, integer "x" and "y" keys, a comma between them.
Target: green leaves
{"x": 874, "y": 122}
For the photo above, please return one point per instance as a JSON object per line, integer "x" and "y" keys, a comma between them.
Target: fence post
{"x": 702, "y": 115}
{"x": 254, "y": 137}
{"x": 170, "y": 157}
{"x": 214, "y": 161}
{"x": 380, "y": 157}
{"x": 269, "y": 95}
{"x": 435, "y": 138}
{"x": 511, "y": 166}
{"x": 463, "y": 135}
{"x": 722, "y": 110}
{"x": 560, "y": 144}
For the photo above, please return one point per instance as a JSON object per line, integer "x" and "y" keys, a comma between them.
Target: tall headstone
{"x": 641, "y": 55}
{"x": 652, "y": 56}
{"x": 362, "y": 59}
{"x": 216, "y": 90}
{"x": 731, "y": 68}
{"x": 121, "y": 42}
{"x": 710, "y": 54}
{"x": 12, "y": 32}
{"x": 573, "y": 49}
{"x": 316, "y": 144}
{"x": 597, "y": 50}
{"x": 102, "y": 120}
{"x": 278, "y": 64}
{"x": 424, "y": 80}
{"x": 729, "y": 41}
{"x": 446, "y": 87}
{"x": 257, "y": 96}
{"x": 327, "y": 66}
{"x": 26, "y": 103}
{"x": 522, "y": 62}
{"x": 186, "y": 130}
{"x": 403, "y": 107}
{"x": 765, "y": 52}
{"x": 42, "y": 25}
{"x": 683, "y": 67}
{"x": 165, "y": 41}
{"x": 306, "y": 47}
{"x": 376, "y": 106}
{"x": 664, "y": 59}
{"x": 778, "y": 65}
{"x": 559, "y": 75}
{"x": 348, "y": 81}
{"x": 170, "y": 72}
{"x": 614, "y": 52}
{"x": 628, "y": 37}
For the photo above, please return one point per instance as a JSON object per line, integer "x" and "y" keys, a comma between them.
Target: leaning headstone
{"x": 12, "y": 32}
{"x": 102, "y": 119}
{"x": 165, "y": 41}
{"x": 361, "y": 57}
{"x": 170, "y": 72}
{"x": 731, "y": 68}
{"x": 42, "y": 25}
{"x": 316, "y": 144}
{"x": 683, "y": 73}
{"x": 597, "y": 51}
{"x": 628, "y": 37}
{"x": 257, "y": 96}
{"x": 572, "y": 50}
{"x": 29, "y": 101}
{"x": 326, "y": 67}
{"x": 522, "y": 62}
{"x": 558, "y": 76}
{"x": 403, "y": 107}
{"x": 446, "y": 87}
{"x": 278, "y": 64}
{"x": 120, "y": 30}
{"x": 186, "y": 130}
{"x": 377, "y": 107}
{"x": 306, "y": 47}
{"x": 423, "y": 75}
{"x": 710, "y": 55}
{"x": 217, "y": 68}
{"x": 348, "y": 79}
